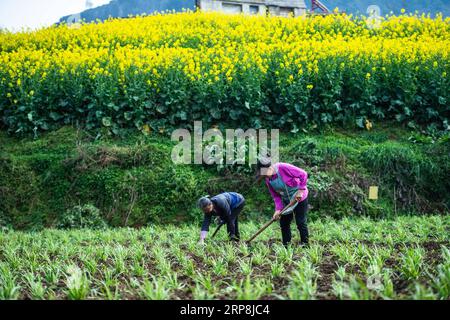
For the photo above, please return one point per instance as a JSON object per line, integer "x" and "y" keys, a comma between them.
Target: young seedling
{"x": 344, "y": 253}
{"x": 220, "y": 266}
{"x": 441, "y": 282}
{"x": 138, "y": 269}
{"x": 52, "y": 274}
{"x": 34, "y": 260}
{"x": 245, "y": 266}
{"x": 303, "y": 281}
{"x": 199, "y": 293}
{"x": 172, "y": 281}
{"x": 412, "y": 263}
{"x": 230, "y": 254}
{"x": 164, "y": 266}
{"x": 361, "y": 251}
{"x": 108, "y": 276}
{"x": 387, "y": 291}
{"x": 356, "y": 289}
{"x": 178, "y": 253}
{"x": 248, "y": 289}
{"x": 9, "y": 289}
{"x": 277, "y": 269}
{"x": 244, "y": 249}
{"x": 138, "y": 252}
{"x": 205, "y": 281}
{"x": 340, "y": 273}
{"x": 258, "y": 258}
{"x": 155, "y": 289}
{"x": 423, "y": 293}
{"x": 11, "y": 257}
{"x": 188, "y": 267}
{"x": 37, "y": 290}
{"x": 89, "y": 263}
{"x": 314, "y": 253}
{"x": 339, "y": 289}
{"x": 285, "y": 255}
{"x": 119, "y": 265}
{"x": 102, "y": 254}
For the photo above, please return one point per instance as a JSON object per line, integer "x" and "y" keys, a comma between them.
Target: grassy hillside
{"x": 133, "y": 182}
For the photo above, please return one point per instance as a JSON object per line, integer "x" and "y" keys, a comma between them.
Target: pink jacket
{"x": 293, "y": 177}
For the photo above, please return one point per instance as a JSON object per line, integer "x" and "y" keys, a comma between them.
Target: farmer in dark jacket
{"x": 227, "y": 206}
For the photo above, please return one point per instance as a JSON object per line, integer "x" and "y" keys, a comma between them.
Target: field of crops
{"x": 157, "y": 72}
{"x": 404, "y": 258}
{"x": 87, "y": 83}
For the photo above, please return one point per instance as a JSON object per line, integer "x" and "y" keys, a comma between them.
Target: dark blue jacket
{"x": 224, "y": 207}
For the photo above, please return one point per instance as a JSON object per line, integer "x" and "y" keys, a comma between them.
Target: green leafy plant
{"x": 86, "y": 216}
{"x": 9, "y": 289}
{"x": 155, "y": 289}
{"x": 412, "y": 262}
{"x": 303, "y": 283}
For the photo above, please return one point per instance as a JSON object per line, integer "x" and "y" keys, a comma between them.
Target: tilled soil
{"x": 225, "y": 285}
{"x": 326, "y": 270}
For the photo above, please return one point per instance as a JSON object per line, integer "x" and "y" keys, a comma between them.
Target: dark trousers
{"x": 234, "y": 219}
{"x": 300, "y": 219}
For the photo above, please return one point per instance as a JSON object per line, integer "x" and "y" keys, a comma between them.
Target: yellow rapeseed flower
{"x": 212, "y": 46}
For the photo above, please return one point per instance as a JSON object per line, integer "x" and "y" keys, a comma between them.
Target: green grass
{"x": 133, "y": 182}
{"x": 165, "y": 262}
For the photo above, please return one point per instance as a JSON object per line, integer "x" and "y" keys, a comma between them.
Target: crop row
{"x": 167, "y": 263}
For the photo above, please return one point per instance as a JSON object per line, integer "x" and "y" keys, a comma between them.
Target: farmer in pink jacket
{"x": 286, "y": 182}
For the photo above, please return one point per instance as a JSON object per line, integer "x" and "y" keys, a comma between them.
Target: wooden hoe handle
{"x": 264, "y": 227}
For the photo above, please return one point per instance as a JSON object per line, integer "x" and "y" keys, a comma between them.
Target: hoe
{"x": 291, "y": 205}
{"x": 218, "y": 228}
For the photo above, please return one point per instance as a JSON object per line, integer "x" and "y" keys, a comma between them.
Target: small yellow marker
{"x": 373, "y": 192}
